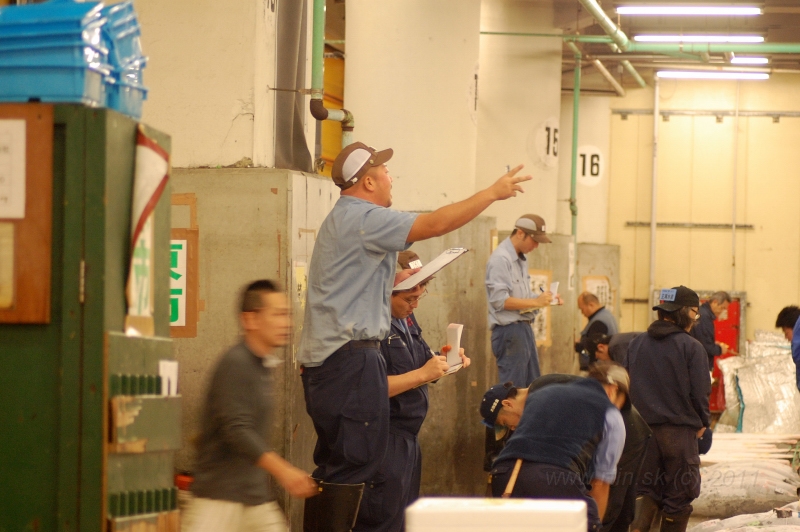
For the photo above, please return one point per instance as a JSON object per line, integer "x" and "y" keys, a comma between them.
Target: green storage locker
{"x": 86, "y": 442}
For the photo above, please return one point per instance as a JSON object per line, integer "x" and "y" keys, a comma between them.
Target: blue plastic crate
{"x": 122, "y": 33}
{"x": 48, "y": 17}
{"x": 124, "y": 97}
{"x": 53, "y": 84}
{"x": 54, "y": 56}
{"x": 88, "y": 37}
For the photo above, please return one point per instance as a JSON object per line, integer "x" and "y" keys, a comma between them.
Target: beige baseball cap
{"x": 354, "y": 161}
{"x": 533, "y": 225}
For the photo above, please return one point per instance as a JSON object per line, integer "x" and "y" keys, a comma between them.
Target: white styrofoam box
{"x": 449, "y": 514}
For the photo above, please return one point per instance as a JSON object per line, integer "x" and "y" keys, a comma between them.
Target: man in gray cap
{"x": 512, "y": 303}
{"x": 347, "y": 313}
{"x": 670, "y": 387}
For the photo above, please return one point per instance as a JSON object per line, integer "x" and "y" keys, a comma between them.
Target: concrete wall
{"x": 452, "y": 435}
{"x": 412, "y": 87}
{"x": 703, "y": 164}
{"x": 519, "y": 95}
{"x": 210, "y": 69}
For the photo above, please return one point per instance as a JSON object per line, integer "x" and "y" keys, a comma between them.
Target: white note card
{"x": 12, "y": 169}
{"x": 168, "y": 370}
{"x": 554, "y": 291}
{"x": 454, "y": 331}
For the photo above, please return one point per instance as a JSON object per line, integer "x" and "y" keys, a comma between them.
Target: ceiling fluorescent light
{"x": 689, "y": 10}
{"x": 699, "y": 74}
{"x": 700, "y": 38}
{"x": 749, "y": 60}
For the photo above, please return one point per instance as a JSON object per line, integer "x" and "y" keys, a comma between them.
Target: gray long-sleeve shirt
{"x": 235, "y": 425}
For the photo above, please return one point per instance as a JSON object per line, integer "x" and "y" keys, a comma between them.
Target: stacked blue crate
{"x": 121, "y": 34}
{"x": 53, "y": 52}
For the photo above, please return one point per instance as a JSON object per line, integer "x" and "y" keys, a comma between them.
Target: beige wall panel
{"x": 696, "y": 172}
{"x": 675, "y": 155}
{"x": 710, "y": 259}
{"x": 641, "y": 317}
{"x": 772, "y": 279}
{"x": 673, "y": 258}
{"x": 712, "y": 171}
{"x": 624, "y": 164}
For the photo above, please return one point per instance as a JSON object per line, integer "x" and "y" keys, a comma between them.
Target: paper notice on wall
{"x": 177, "y": 282}
{"x": 12, "y": 169}
{"x": 168, "y": 371}
{"x": 6, "y": 265}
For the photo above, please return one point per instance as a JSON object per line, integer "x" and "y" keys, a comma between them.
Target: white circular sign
{"x": 544, "y": 144}
{"x": 591, "y": 165}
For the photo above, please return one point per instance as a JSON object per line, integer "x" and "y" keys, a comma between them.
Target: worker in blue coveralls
{"x": 569, "y": 436}
{"x": 789, "y": 321}
{"x": 512, "y": 303}
{"x": 410, "y": 363}
{"x": 347, "y": 313}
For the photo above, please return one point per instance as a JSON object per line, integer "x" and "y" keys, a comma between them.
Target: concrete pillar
{"x": 594, "y": 133}
{"x": 410, "y": 81}
{"x": 519, "y": 107}
{"x": 209, "y": 72}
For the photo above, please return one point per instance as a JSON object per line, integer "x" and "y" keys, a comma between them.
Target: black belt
{"x": 362, "y": 343}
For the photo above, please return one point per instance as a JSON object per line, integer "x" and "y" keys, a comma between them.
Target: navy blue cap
{"x": 704, "y": 443}
{"x": 491, "y": 403}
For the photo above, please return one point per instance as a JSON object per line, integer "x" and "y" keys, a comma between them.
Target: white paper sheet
{"x": 168, "y": 370}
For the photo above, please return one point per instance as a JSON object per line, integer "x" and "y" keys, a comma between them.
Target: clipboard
{"x": 447, "y": 256}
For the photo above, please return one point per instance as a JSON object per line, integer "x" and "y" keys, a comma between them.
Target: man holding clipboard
{"x": 410, "y": 365}
{"x": 512, "y": 303}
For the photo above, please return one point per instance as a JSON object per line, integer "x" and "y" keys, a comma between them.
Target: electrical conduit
{"x": 318, "y": 109}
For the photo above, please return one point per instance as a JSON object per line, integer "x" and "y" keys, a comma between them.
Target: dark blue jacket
{"x": 704, "y": 332}
{"x": 561, "y": 425}
{"x": 669, "y": 376}
{"x": 402, "y": 354}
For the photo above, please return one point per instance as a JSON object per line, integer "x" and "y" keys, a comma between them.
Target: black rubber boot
{"x": 674, "y": 523}
{"x": 334, "y": 509}
{"x": 646, "y": 509}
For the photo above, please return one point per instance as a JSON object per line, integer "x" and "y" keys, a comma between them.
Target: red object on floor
{"x": 184, "y": 482}
{"x": 726, "y": 331}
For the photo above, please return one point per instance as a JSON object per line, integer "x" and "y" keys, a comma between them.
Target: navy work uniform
{"x": 397, "y": 483}
{"x": 347, "y": 312}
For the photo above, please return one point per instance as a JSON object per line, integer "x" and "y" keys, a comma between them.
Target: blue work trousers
{"x": 347, "y": 398}
{"x": 383, "y": 506}
{"x": 514, "y": 348}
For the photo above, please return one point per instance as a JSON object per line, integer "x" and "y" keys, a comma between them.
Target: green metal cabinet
{"x": 58, "y": 467}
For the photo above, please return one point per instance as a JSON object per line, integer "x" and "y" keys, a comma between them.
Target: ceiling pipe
{"x": 628, "y": 66}
{"x": 573, "y": 186}
{"x": 711, "y": 67}
{"x": 567, "y": 38}
{"x": 606, "y": 74}
{"x": 714, "y": 48}
{"x": 318, "y": 109}
{"x": 654, "y": 192}
{"x": 617, "y": 36}
{"x": 597, "y": 39}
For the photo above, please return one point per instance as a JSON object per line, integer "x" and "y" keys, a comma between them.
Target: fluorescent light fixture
{"x": 689, "y": 10}
{"x": 700, "y": 38}
{"x": 749, "y": 60}
{"x": 700, "y": 74}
